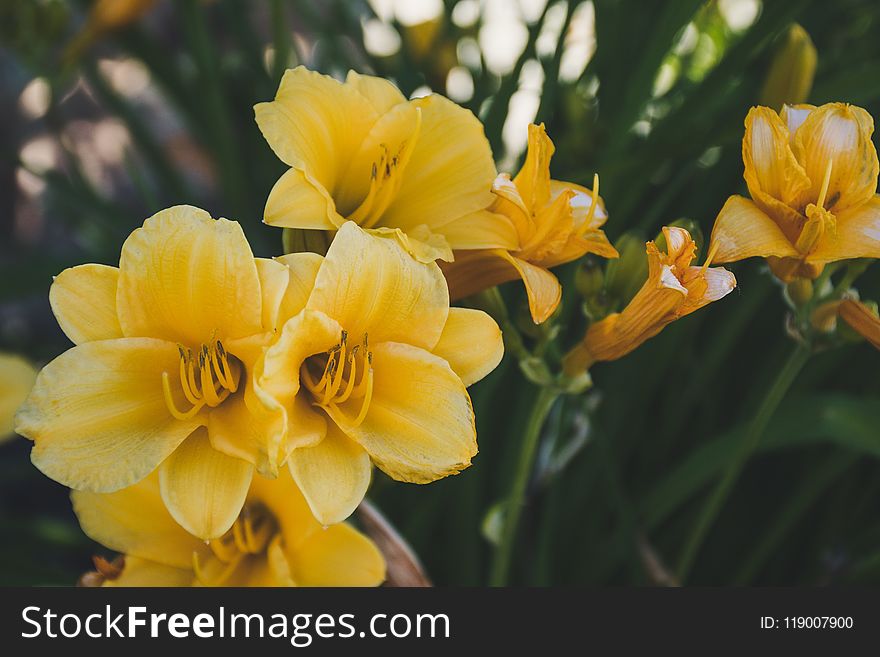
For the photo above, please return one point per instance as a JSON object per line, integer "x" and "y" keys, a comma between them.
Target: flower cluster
{"x": 220, "y": 415}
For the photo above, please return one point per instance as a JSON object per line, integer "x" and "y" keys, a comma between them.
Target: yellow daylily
{"x": 274, "y": 541}
{"x": 164, "y": 344}
{"x": 674, "y": 288}
{"x": 374, "y": 368}
{"x": 16, "y": 380}
{"x": 359, "y": 151}
{"x": 861, "y": 319}
{"x": 556, "y": 222}
{"x": 812, "y": 175}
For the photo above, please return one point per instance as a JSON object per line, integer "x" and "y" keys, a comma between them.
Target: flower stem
{"x": 501, "y": 564}
{"x": 749, "y": 442}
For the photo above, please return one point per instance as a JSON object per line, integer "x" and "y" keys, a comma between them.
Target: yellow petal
{"x": 742, "y": 231}
{"x": 369, "y": 284}
{"x": 481, "y": 230}
{"x": 204, "y": 489}
{"x": 303, "y": 270}
{"x": 315, "y": 124}
{"x": 770, "y": 165}
{"x": 420, "y": 243}
{"x": 857, "y": 235}
{"x": 143, "y": 573}
{"x": 17, "y": 377}
{"x": 381, "y": 94}
{"x": 861, "y": 319}
{"x": 274, "y": 279}
{"x": 297, "y": 200}
{"x": 420, "y": 424}
{"x": 794, "y": 115}
{"x": 840, "y": 134}
{"x": 271, "y": 569}
{"x": 333, "y": 475}
{"x": 187, "y": 278}
{"x": 450, "y": 171}
{"x": 287, "y": 505}
{"x": 134, "y": 521}
{"x": 533, "y": 180}
{"x": 542, "y": 287}
{"x": 471, "y": 343}
{"x": 337, "y": 556}
{"x": 250, "y": 425}
{"x": 83, "y": 299}
{"x": 307, "y": 333}
{"x": 97, "y": 414}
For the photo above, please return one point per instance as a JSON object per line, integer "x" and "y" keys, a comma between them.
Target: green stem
{"x": 749, "y": 442}
{"x": 543, "y": 403}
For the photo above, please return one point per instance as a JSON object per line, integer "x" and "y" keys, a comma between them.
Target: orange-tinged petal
{"x": 715, "y": 283}
{"x": 333, "y": 475}
{"x": 474, "y": 271}
{"x": 83, "y": 299}
{"x": 742, "y": 230}
{"x": 542, "y": 287}
{"x": 471, "y": 343}
{"x": 187, "y": 278}
{"x": 861, "y": 319}
{"x": 794, "y": 115}
{"x": 420, "y": 423}
{"x": 839, "y": 134}
{"x": 371, "y": 285}
{"x": 533, "y": 179}
{"x": 135, "y": 522}
{"x": 857, "y": 235}
{"x": 204, "y": 489}
{"x": 97, "y": 414}
{"x": 770, "y": 165}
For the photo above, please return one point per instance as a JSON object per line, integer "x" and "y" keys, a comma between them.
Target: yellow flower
{"x": 374, "y": 368}
{"x": 674, "y": 289}
{"x": 862, "y": 320}
{"x": 16, "y": 379}
{"x": 812, "y": 175}
{"x": 164, "y": 344}
{"x": 556, "y": 222}
{"x": 359, "y": 151}
{"x": 274, "y": 541}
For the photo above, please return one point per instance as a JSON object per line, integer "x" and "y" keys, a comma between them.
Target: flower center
{"x": 342, "y": 373}
{"x": 385, "y": 178}
{"x": 250, "y": 535}
{"x": 207, "y": 378}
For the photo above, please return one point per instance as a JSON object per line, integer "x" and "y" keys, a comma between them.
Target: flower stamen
{"x": 215, "y": 381}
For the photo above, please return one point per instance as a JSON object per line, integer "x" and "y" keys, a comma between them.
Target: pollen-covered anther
{"x": 206, "y": 379}
{"x": 346, "y": 377}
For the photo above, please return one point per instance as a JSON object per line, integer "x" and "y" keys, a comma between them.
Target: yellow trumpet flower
{"x": 273, "y": 541}
{"x": 674, "y": 289}
{"x": 556, "y": 222}
{"x": 861, "y": 319}
{"x": 812, "y": 175}
{"x": 164, "y": 344}
{"x": 374, "y": 369}
{"x": 16, "y": 380}
{"x": 359, "y": 151}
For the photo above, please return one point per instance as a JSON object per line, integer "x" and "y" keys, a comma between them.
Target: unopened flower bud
{"x": 790, "y": 77}
{"x": 799, "y": 291}
{"x": 625, "y": 275}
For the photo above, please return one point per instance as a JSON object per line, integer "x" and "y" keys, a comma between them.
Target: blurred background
{"x": 114, "y": 110}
